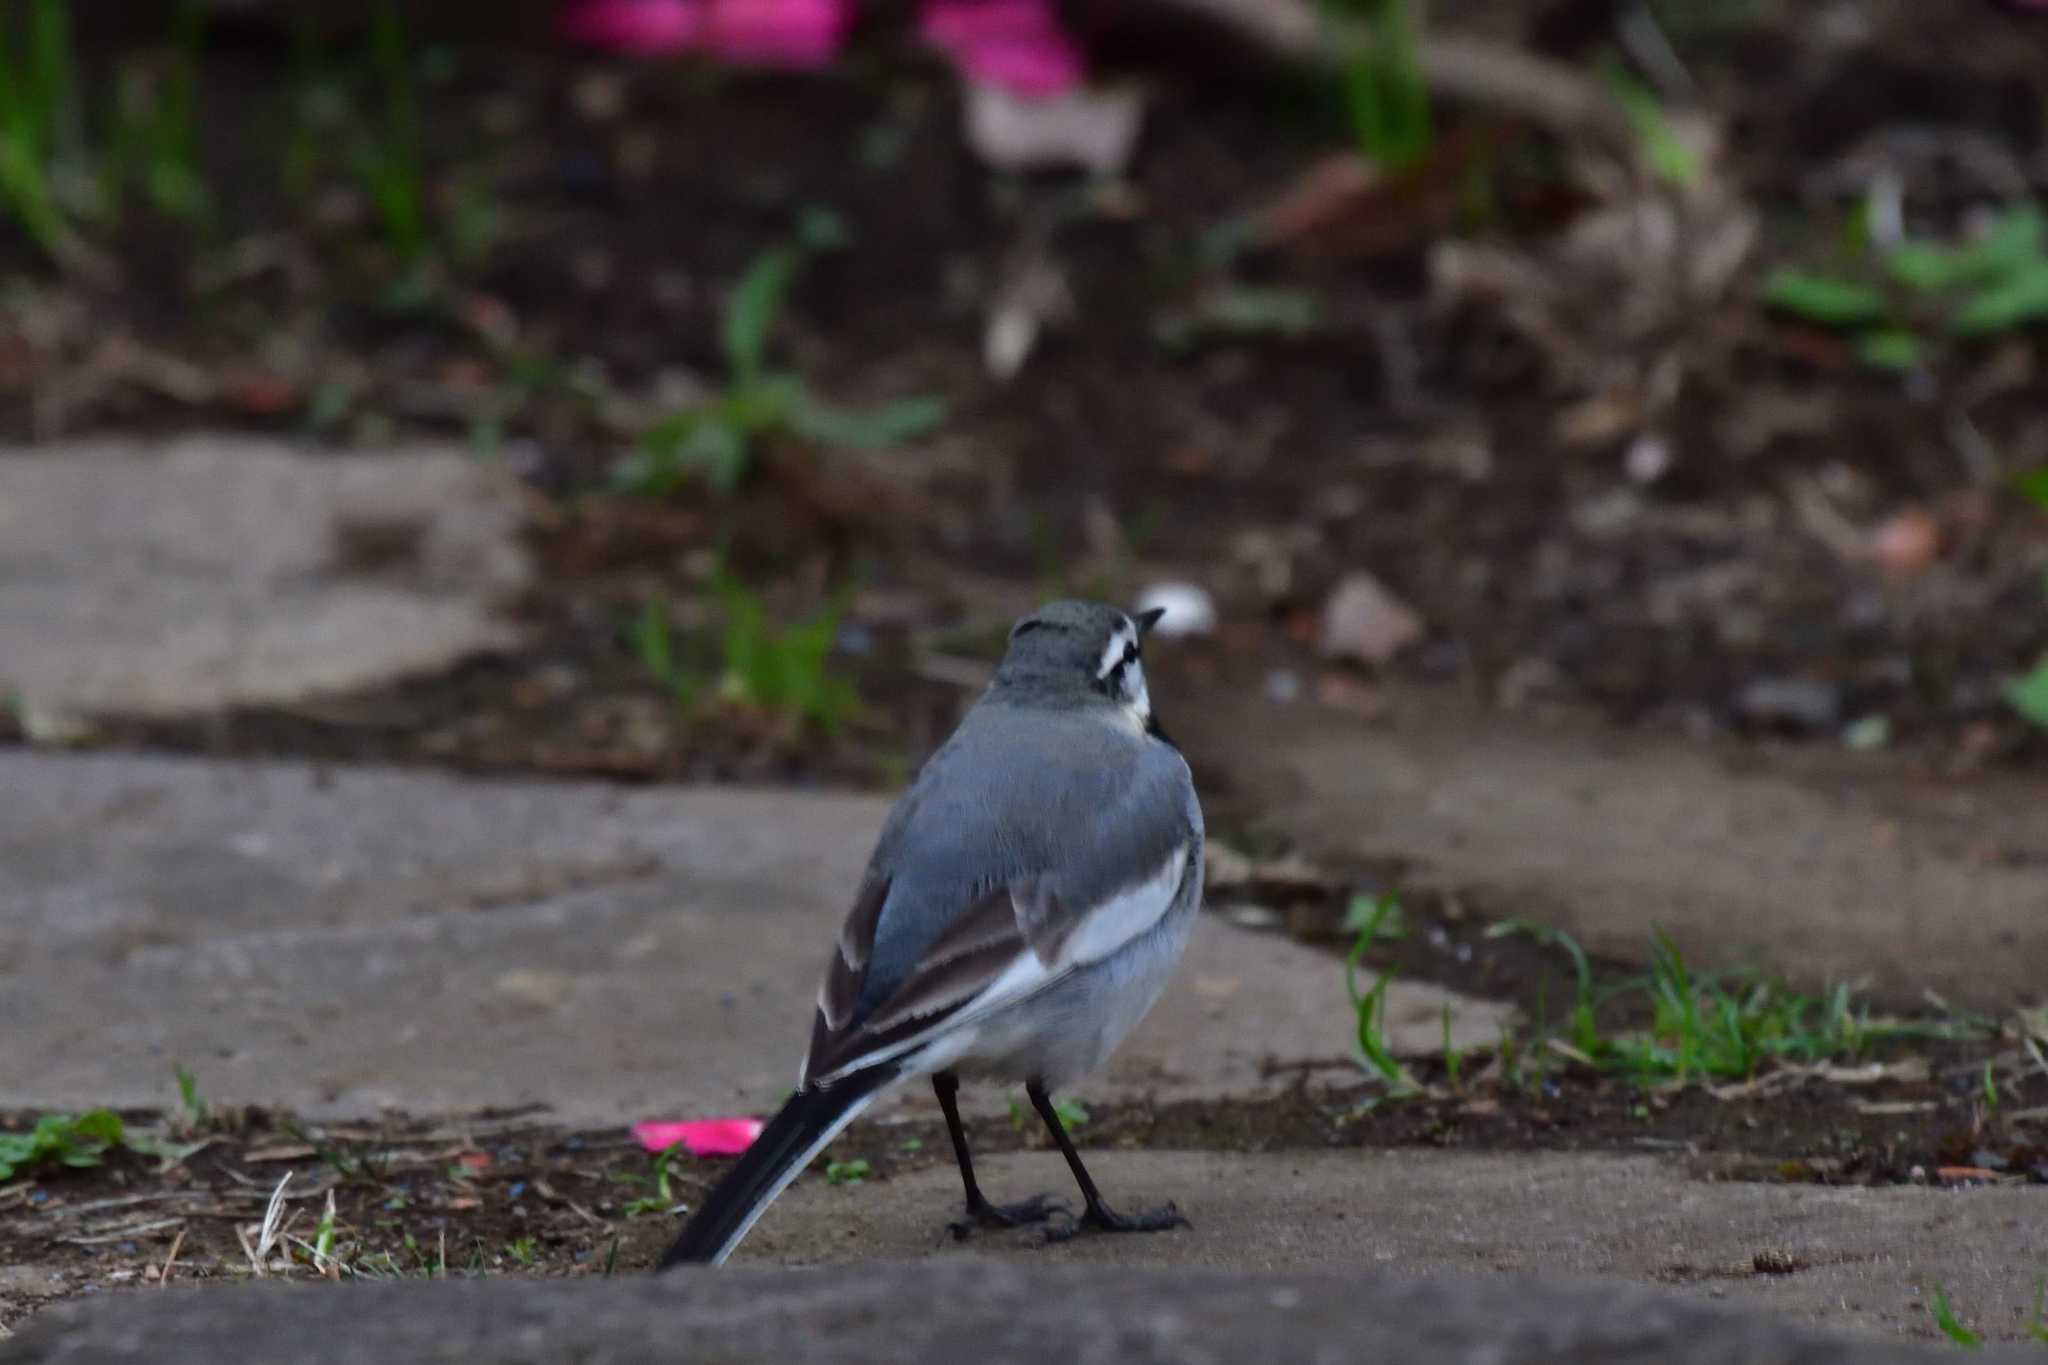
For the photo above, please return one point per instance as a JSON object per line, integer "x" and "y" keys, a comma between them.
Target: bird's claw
{"x": 1102, "y": 1218}
{"x": 1039, "y": 1208}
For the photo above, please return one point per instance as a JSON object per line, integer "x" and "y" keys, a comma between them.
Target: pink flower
{"x": 792, "y": 34}
{"x": 700, "y": 1137}
{"x": 1015, "y": 45}
{"x": 639, "y": 28}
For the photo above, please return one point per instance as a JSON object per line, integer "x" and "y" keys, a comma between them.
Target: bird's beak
{"x": 1148, "y": 619}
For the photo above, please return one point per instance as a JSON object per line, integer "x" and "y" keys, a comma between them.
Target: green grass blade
{"x": 1823, "y": 299}
{"x": 1666, "y": 154}
{"x": 1889, "y": 349}
{"x": 876, "y": 430}
{"x": 2018, "y": 298}
{"x": 654, "y": 642}
{"x": 52, "y": 88}
{"x": 1369, "y": 1007}
{"x": 2028, "y": 694}
{"x": 389, "y": 164}
{"x": 2013, "y": 244}
{"x": 1945, "y": 1319}
{"x": 1385, "y": 95}
{"x": 750, "y": 316}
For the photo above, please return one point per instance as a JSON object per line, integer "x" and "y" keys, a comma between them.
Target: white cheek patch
{"x": 1122, "y": 638}
{"x": 1136, "y": 697}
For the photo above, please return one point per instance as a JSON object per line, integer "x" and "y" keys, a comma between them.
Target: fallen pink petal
{"x": 638, "y": 28}
{"x": 792, "y": 34}
{"x": 1015, "y": 45}
{"x": 699, "y": 1137}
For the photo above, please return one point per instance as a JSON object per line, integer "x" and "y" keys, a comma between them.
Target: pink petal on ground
{"x": 1015, "y": 45}
{"x": 1032, "y": 70}
{"x": 791, "y": 34}
{"x": 639, "y": 28}
{"x": 700, "y": 1137}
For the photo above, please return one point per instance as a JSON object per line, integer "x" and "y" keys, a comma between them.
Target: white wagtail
{"x": 1022, "y": 910}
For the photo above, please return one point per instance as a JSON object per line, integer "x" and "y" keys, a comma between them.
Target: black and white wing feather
{"x": 1104, "y": 869}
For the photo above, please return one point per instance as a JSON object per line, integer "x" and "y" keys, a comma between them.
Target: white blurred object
{"x": 1189, "y": 608}
{"x": 1035, "y": 296}
{"x": 1364, "y": 620}
{"x": 1648, "y": 458}
{"x": 1095, "y": 130}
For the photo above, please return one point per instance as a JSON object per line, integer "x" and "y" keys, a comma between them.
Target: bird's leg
{"x": 981, "y": 1213}
{"x": 1098, "y": 1215}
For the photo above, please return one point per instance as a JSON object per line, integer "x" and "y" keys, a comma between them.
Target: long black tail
{"x": 792, "y": 1138}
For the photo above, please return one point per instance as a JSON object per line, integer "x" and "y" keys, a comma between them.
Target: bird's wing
{"x": 1117, "y": 875}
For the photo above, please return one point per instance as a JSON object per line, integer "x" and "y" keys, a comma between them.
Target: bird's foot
{"x": 982, "y": 1214}
{"x": 1102, "y": 1218}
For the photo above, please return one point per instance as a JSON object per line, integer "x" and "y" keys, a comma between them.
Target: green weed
{"x": 76, "y": 1141}
{"x": 56, "y": 181}
{"x": 652, "y": 636}
{"x": 1945, "y": 1319}
{"x": 2028, "y": 694}
{"x": 1663, "y": 151}
{"x": 193, "y": 1111}
{"x": 1715, "y": 1026}
{"x": 1369, "y": 1006}
{"x": 1072, "y": 1114}
{"x": 1895, "y": 305}
{"x": 783, "y": 668}
{"x": 1385, "y": 95}
{"x": 524, "y": 1250}
{"x": 153, "y": 141}
{"x": 322, "y": 1250}
{"x": 386, "y": 155}
{"x": 1584, "y": 1032}
{"x": 660, "y": 1177}
{"x": 1382, "y": 914}
{"x": 38, "y": 84}
{"x": 1454, "y": 1058}
{"x": 847, "y": 1172}
{"x": 714, "y": 441}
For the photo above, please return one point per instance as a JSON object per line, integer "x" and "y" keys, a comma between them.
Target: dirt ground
{"x": 1477, "y": 463}
{"x": 507, "y": 1194}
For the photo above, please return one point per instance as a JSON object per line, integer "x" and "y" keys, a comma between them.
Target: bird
{"x": 1024, "y": 907}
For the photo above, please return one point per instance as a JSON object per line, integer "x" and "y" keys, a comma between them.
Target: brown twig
{"x": 164, "y": 1276}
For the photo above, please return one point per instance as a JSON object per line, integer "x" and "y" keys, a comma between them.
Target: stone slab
{"x": 989, "y": 1312}
{"x": 337, "y": 941}
{"x": 1829, "y": 868}
{"x": 1869, "y": 1260}
{"x": 206, "y": 572}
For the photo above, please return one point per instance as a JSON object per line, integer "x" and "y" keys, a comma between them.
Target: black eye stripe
{"x": 1130, "y": 654}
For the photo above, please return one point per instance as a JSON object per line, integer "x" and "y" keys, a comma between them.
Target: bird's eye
{"x": 1131, "y": 653}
